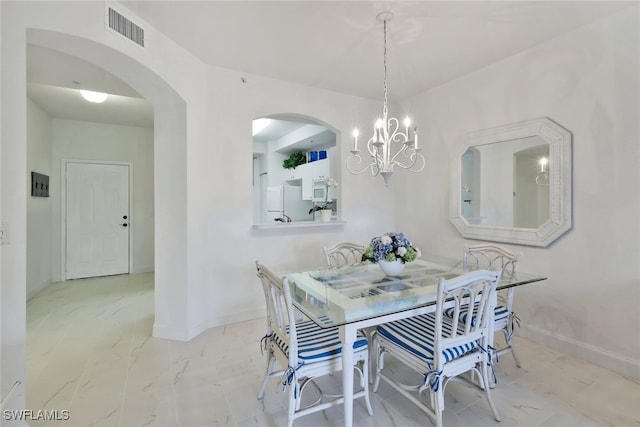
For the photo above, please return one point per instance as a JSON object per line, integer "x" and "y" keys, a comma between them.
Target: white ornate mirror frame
{"x": 560, "y": 203}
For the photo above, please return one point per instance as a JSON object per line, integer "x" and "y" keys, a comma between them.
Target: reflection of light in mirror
{"x": 543, "y": 177}
{"x": 499, "y": 183}
{"x": 259, "y": 125}
{"x": 543, "y": 164}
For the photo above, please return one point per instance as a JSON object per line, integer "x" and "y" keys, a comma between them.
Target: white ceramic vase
{"x": 391, "y": 268}
{"x": 325, "y": 215}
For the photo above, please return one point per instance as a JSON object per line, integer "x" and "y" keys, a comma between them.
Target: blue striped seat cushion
{"x": 500, "y": 313}
{"x": 417, "y": 335}
{"x": 316, "y": 344}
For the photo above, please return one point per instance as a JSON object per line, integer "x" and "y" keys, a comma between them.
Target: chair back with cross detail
{"x": 342, "y": 254}
{"x": 494, "y": 257}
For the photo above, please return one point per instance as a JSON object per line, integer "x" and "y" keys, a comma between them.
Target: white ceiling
{"x": 338, "y": 45}
{"x": 280, "y": 125}
{"x": 335, "y": 45}
{"x": 54, "y": 81}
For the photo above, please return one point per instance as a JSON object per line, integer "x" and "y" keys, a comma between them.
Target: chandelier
{"x": 389, "y": 146}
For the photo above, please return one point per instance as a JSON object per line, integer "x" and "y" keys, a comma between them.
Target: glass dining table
{"x": 357, "y": 297}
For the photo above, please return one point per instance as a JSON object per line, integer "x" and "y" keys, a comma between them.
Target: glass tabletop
{"x": 335, "y": 296}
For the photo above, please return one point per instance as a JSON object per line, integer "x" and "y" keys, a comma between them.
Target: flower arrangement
{"x": 331, "y": 182}
{"x": 391, "y": 247}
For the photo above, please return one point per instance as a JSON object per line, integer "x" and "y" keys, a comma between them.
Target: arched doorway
{"x": 170, "y": 167}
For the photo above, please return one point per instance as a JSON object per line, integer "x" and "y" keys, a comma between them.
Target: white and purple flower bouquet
{"x": 390, "y": 247}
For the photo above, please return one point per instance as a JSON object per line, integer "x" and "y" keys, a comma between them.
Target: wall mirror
{"x": 293, "y": 158}
{"x": 513, "y": 183}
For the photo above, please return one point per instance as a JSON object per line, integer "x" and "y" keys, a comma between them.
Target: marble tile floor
{"x": 90, "y": 351}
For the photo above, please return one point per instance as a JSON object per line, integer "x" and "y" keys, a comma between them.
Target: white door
{"x": 97, "y": 225}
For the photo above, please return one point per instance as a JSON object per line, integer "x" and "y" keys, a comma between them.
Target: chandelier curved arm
{"x": 417, "y": 159}
{"x": 542, "y": 178}
{"x": 413, "y": 155}
{"x": 355, "y": 161}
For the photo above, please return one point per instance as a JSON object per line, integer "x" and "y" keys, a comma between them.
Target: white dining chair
{"x": 493, "y": 257}
{"x": 344, "y": 253}
{"x": 298, "y": 352}
{"x": 441, "y": 348}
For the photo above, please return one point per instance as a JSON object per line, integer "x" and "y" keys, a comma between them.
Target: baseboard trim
{"x": 616, "y": 362}
{"x": 142, "y": 269}
{"x": 196, "y": 330}
{"x": 37, "y": 289}
{"x": 169, "y": 332}
{"x": 178, "y": 334}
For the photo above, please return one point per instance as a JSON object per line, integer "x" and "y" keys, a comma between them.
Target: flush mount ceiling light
{"x": 387, "y": 137}
{"x": 95, "y": 97}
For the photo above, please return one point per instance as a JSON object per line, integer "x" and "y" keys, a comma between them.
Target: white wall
{"x": 497, "y": 185}
{"x": 13, "y": 214}
{"x": 80, "y": 140}
{"x": 220, "y": 214}
{"x": 589, "y": 82}
{"x": 39, "y": 242}
{"x": 205, "y": 246}
{"x": 51, "y": 141}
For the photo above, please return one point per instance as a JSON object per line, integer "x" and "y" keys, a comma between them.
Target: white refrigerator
{"x": 285, "y": 201}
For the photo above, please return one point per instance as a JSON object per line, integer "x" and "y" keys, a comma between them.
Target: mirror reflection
{"x": 512, "y": 183}
{"x": 293, "y": 171}
{"x": 506, "y": 184}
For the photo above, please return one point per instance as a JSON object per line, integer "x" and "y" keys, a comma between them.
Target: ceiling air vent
{"x": 122, "y": 25}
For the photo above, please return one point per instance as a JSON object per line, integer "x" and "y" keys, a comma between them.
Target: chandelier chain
{"x": 385, "y": 109}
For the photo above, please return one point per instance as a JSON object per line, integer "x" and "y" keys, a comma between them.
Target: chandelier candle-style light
{"x": 387, "y": 137}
